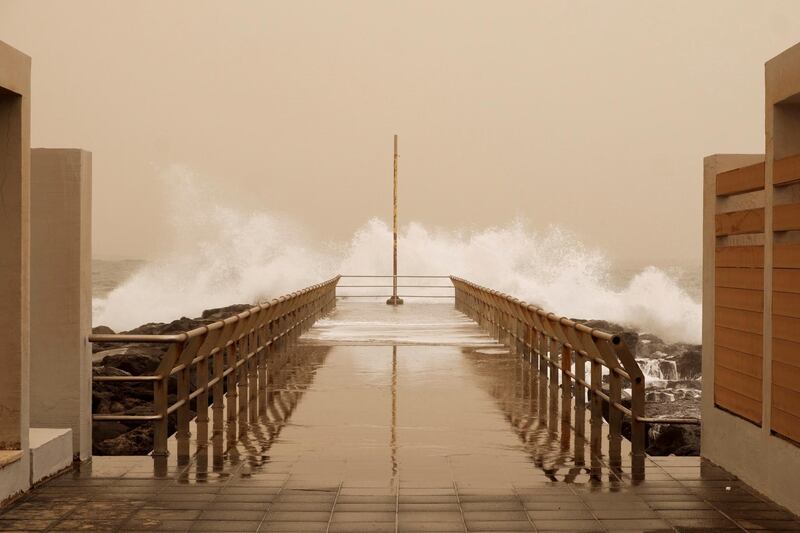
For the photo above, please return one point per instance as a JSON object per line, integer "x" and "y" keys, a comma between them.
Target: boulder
{"x": 221, "y": 313}
{"x": 673, "y": 439}
{"x": 138, "y": 441}
{"x": 629, "y": 337}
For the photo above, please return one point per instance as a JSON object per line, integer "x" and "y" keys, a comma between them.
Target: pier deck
{"x": 397, "y": 419}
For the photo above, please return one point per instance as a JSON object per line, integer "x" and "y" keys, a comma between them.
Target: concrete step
{"x": 51, "y": 452}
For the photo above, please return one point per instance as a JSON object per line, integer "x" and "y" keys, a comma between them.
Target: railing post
{"x": 160, "y": 426}
{"x": 232, "y": 394}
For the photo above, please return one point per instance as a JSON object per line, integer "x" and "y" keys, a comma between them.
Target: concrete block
{"x": 51, "y": 452}
{"x": 15, "y": 75}
{"x": 61, "y": 293}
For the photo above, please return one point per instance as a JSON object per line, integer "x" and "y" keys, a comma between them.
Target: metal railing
{"x": 227, "y": 359}
{"x": 402, "y": 285}
{"x": 565, "y": 347}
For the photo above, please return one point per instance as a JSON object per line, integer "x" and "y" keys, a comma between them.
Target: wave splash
{"x": 253, "y": 256}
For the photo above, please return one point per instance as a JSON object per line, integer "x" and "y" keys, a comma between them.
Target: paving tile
{"x": 405, "y": 517}
{"x": 362, "y": 527}
{"x": 429, "y": 507}
{"x": 624, "y": 514}
{"x": 505, "y": 516}
{"x": 24, "y": 525}
{"x": 428, "y": 499}
{"x": 499, "y": 525}
{"x": 142, "y": 524}
{"x": 36, "y": 513}
{"x": 298, "y": 516}
{"x": 362, "y": 516}
{"x": 349, "y": 498}
{"x": 365, "y": 507}
{"x": 238, "y": 506}
{"x": 300, "y": 506}
{"x": 709, "y": 523}
{"x": 439, "y": 527}
{"x": 769, "y": 525}
{"x": 640, "y": 524}
{"x": 679, "y": 505}
{"x": 300, "y": 527}
{"x": 555, "y": 506}
{"x": 572, "y": 514}
{"x": 506, "y": 505}
{"x": 685, "y": 514}
{"x": 232, "y": 515}
{"x": 167, "y": 514}
{"x": 225, "y": 525}
{"x": 567, "y": 525}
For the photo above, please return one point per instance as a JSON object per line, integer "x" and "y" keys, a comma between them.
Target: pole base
{"x": 394, "y": 300}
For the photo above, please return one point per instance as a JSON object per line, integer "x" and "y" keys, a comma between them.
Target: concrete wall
{"x": 755, "y": 450}
{"x": 61, "y": 294}
{"x": 14, "y": 261}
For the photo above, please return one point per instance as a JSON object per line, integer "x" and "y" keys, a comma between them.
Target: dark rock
{"x": 135, "y": 359}
{"x": 628, "y": 336}
{"x": 181, "y": 325}
{"x": 138, "y": 441}
{"x": 105, "y": 430}
{"x": 108, "y": 371}
{"x": 690, "y": 362}
{"x": 102, "y": 330}
{"x": 221, "y": 313}
{"x": 673, "y": 439}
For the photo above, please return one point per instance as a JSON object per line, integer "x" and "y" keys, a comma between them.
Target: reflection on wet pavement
{"x": 398, "y": 419}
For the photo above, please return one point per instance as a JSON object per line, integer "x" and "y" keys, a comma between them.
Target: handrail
{"x": 238, "y": 346}
{"x": 405, "y": 285}
{"x": 391, "y": 276}
{"x": 565, "y": 346}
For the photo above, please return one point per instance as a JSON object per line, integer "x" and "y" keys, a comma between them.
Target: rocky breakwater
{"x": 673, "y": 380}
{"x": 132, "y": 398}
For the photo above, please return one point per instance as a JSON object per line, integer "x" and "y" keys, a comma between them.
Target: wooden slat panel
{"x": 740, "y": 222}
{"x": 742, "y": 383}
{"x": 786, "y": 304}
{"x": 786, "y": 400}
{"x": 740, "y": 278}
{"x": 737, "y": 403}
{"x": 739, "y": 180}
{"x": 786, "y": 424}
{"x": 752, "y": 365}
{"x": 786, "y": 256}
{"x": 785, "y": 170}
{"x": 751, "y": 321}
{"x": 785, "y": 280}
{"x": 787, "y": 376}
{"x": 740, "y": 256}
{"x": 745, "y": 299}
{"x": 741, "y": 341}
{"x": 786, "y": 217}
{"x": 784, "y": 351}
{"x": 786, "y": 328}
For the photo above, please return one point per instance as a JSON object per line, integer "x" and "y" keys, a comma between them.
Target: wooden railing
{"x": 228, "y": 360}
{"x": 565, "y": 347}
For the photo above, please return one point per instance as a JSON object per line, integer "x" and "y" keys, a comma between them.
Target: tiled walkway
{"x": 397, "y": 420}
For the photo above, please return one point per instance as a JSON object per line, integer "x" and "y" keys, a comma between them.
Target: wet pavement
{"x": 398, "y": 419}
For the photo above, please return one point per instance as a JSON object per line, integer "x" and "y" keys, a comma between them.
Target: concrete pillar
{"x": 61, "y": 293}
{"x": 15, "y": 69}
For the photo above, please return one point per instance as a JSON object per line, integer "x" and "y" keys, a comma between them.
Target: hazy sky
{"x": 591, "y": 115}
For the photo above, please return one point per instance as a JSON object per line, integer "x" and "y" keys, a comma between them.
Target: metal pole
{"x": 394, "y": 300}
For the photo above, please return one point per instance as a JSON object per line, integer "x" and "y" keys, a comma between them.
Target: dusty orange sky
{"x": 591, "y": 115}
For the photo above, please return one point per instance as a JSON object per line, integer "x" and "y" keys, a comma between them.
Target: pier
{"x": 389, "y": 418}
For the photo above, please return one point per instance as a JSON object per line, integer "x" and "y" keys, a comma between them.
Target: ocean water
{"x": 246, "y": 256}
